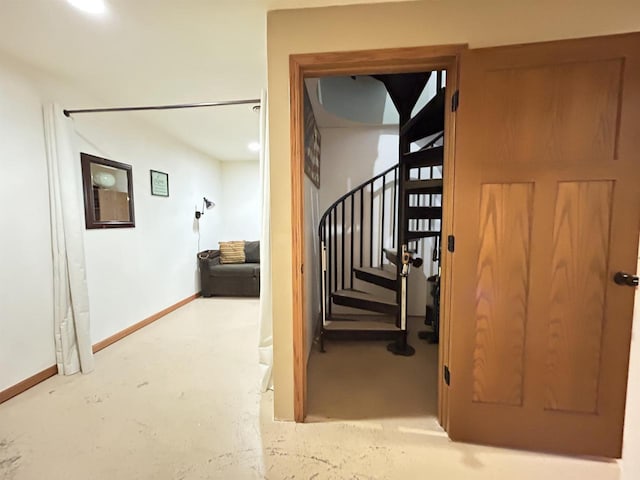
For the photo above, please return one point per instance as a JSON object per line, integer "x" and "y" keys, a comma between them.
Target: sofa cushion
{"x": 232, "y": 252}
{"x": 235, "y": 270}
{"x": 252, "y": 252}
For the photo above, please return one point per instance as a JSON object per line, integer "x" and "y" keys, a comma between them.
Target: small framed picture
{"x": 159, "y": 183}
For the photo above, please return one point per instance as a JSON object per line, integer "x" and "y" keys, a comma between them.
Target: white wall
{"x": 311, "y": 261}
{"x": 239, "y": 202}
{"x": 631, "y": 441}
{"x": 135, "y": 272}
{"x": 132, "y": 273}
{"x": 351, "y": 156}
{"x": 26, "y": 292}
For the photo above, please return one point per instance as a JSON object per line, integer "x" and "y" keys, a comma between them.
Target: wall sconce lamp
{"x": 206, "y": 204}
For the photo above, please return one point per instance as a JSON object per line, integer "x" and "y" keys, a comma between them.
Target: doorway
{"x": 375, "y": 132}
{"x": 401, "y": 61}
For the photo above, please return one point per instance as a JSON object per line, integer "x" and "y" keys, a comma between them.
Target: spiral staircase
{"x": 374, "y": 234}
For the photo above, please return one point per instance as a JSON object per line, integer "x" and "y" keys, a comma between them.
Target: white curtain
{"x": 265, "y": 346}
{"x": 71, "y": 297}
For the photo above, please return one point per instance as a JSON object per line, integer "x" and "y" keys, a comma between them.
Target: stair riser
{"x": 424, "y": 191}
{"x": 365, "y": 305}
{"x": 380, "y": 281}
{"x": 361, "y": 334}
{"x": 425, "y": 213}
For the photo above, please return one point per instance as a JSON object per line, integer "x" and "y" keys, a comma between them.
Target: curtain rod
{"x": 163, "y": 107}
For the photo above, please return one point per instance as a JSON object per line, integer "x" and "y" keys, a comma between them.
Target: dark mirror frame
{"x": 89, "y": 201}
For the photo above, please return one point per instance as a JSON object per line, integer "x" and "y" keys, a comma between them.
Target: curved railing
{"x": 354, "y": 231}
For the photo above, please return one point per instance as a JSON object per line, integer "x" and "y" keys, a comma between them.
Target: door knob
{"x": 622, "y": 278}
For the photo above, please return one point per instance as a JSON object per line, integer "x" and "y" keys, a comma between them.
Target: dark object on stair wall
{"x": 311, "y": 142}
{"x": 433, "y": 313}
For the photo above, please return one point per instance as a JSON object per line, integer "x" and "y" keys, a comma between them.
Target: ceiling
{"x": 358, "y": 101}
{"x": 149, "y": 52}
{"x": 350, "y": 102}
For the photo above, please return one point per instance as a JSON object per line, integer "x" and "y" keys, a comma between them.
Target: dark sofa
{"x": 230, "y": 280}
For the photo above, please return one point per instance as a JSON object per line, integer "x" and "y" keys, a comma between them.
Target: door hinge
{"x": 451, "y": 243}
{"x": 447, "y": 375}
{"x": 455, "y": 100}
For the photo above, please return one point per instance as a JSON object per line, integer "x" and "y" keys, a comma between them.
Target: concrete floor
{"x": 362, "y": 380}
{"x": 179, "y": 400}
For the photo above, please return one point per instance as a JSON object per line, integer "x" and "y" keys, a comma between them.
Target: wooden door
{"x": 546, "y": 210}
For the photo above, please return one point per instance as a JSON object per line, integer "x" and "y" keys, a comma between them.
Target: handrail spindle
{"x": 361, "y": 225}
{"x": 352, "y": 197}
{"x": 342, "y": 241}
{"x": 384, "y": 184}
{"x": 393, "y": 210}
{"x": 335, "y": 250}
{"x": 330, "y": 227}
{"x": 371, "y": 226}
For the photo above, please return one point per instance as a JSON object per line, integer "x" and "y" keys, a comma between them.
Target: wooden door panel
{"x": 572, "y": 112}
{"x": 502, "y": 292}
{"x": 546, "y": 210}
{"x": 579, "y": 280}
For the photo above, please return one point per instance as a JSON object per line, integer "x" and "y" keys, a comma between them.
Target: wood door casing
{"x": 546, "y": 210}
{"x": 363, "y": 62}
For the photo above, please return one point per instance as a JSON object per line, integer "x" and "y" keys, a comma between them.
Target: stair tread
{"x": 427, "y": 182}
{"x": 431, "y": 157}
{"x": 429, "y": 120}
{"x": 393, "y": 251}
{"x": 360, "y": 295}
{"x": 380, "y": 272}
{"x": 377, "y": 276}
{"x": 360, "y": 317}
{"x": 415, "y": 234}
{"x": 428, "y": 186}
{"x": 370, "y": 324}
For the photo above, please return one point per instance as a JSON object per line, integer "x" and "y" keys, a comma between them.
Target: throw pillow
{"x": 232, "y": 252}
{"x": 252, "y": 252}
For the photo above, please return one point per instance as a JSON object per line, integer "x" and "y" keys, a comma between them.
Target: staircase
{"x": 371, "y": 236}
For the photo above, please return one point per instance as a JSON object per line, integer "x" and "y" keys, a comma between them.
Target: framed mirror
{"x": 108, "y": 193}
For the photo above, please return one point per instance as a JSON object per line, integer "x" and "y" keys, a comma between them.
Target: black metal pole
{"x": 163, "y": 107}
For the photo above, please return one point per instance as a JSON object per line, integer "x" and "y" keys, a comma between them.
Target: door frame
{"x": 365, "y": 62}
